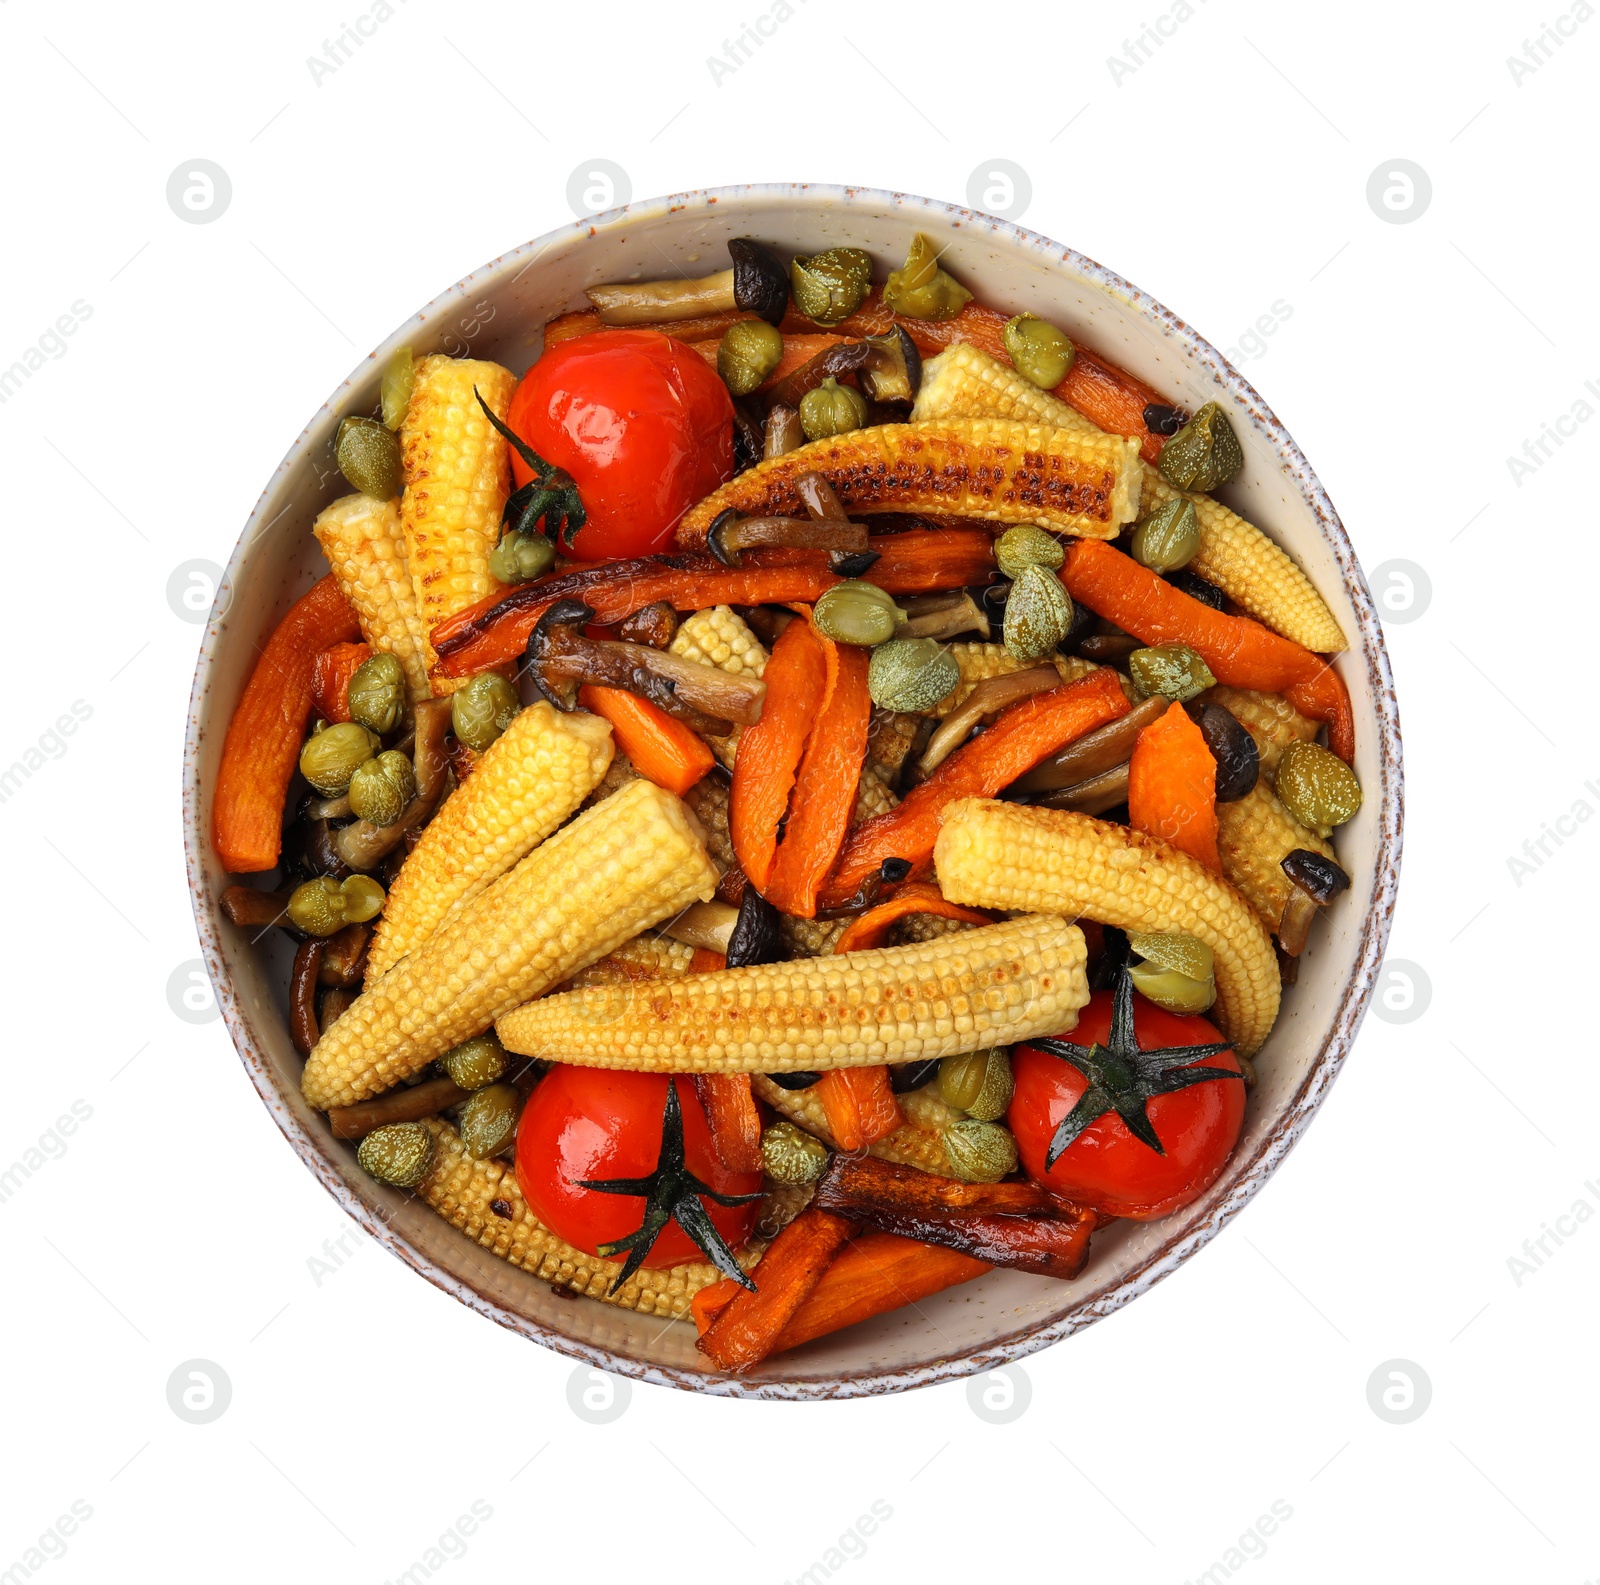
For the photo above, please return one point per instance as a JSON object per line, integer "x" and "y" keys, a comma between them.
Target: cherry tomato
{"x": 642, "y": 423}
{"x": 584, "y": 1123}
{"x": 1106, "y": 1166}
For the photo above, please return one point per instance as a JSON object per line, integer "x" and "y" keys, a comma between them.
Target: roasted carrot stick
{"x": 263, "y": 741}
{"x": 1172, "y": 786}
{"x": 705, "y": 961}
{"x": 330, "y": 679}
{"x": 860, "y": 1105}
{"x": 1021, "y": 736}
{"x": 731, "y": 1115}
{"x": 871, "y": 929}
{"x": 1112, "y": 398}
{"x": 1240, "y": 653}
{"x": 1044, "y": 1246}
{"x": 664, "y": 750}
{"x": 853, "y": 1182}
{"x": 770, "y": 751}
{"x": 742, "y": 1335}
{"x": 824, "y": 793}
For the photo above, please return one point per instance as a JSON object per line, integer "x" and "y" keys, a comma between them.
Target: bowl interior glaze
{"x": 497, "y": 312}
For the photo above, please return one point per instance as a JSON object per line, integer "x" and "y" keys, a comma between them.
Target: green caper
{"x": 488, "y": 1120}
{"x": 520, "y": 558}
{"x": 919, "y": 289}
{"x": 1177, "y": 993}
{"x": 363, "y": 899}
{"x": 1027, "y": 545}
{"x": 482, "y": 710}
{"x": 1172, "y": 670}
{"x": 977, "y": 1083}
{"x": 791, "y": 1155}
{"x": 331, "y": 758}
{"x": 1038, "y": 614}
{"x": 1173, "y": 950}
{"x": 979, "y": 1152}
{"x": 1039, "y": 351}
{"x": 317, "y": 907}
{"x": 1204, "y": 454}
{"x": 368, "y": 456}
{"x": 832, "y": 409}
{"x": 1317, "y": 787}
{"x": 381, "y": 789}
{"x": 476, "y": 1062}
{"x": 911, "y": 674}
{"x": 398, "y": 1153}
{"x": 1169, "y": 537}
{"x": 378, "y": 693}
{"x": 749, "y": 351}
{"x": 855, "y": 612}
{"x": 829, "y": 286}
{"x": 399, "y": 373}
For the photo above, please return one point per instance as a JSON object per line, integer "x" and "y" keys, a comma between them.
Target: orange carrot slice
{"x": 330, "y": 679}
{"x": 1172, "y": 787}
{"x": 871, "y": 929}
{"x": 860, "y": 1105}
{"x": 664, "y": 750}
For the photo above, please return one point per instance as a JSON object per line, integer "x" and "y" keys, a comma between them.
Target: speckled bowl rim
{"x": 1248, "y": 1176}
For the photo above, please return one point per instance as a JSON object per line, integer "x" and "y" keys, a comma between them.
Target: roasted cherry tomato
{"x": 1107, "y": 1165}
{"x": 641, "y": 422}
{"x": 595, "y": 1123}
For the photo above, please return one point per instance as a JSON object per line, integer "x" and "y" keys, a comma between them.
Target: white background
{"x": 1226, "y": 173}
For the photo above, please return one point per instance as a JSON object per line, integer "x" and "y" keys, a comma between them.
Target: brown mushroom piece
{"x": 887, "y": 368}
{"x": 1095, "y": 753}
{"x": 344, "y": 964}
{"x": 729, "y": 534}
{"x": 655, "y": 624}
{"x": 945, "y": 616}
{"x": 360, "y": 845}
{"x": 1238, "y": 759}
{"x": 334, "y": 1003}
{"x": 782, "y": 432}
{"x": 705, "y": 925}
{"x": 1091, "y": 797}
{"x": 705, "y": 698}
{"x": 994, "y": 693}
{"x": 303, "y": 995}
{"x": 756, "y": 284}
{"x": 406, "y": 1105}
{"x": 1315, "y": 882}
{"x": 246, "y": 906}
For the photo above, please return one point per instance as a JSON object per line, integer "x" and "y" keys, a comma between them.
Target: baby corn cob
{"x": 999, "y": 855}
{"x": 889, "y": 1004}
{"x": 466, "y": 1193}
{"x": 529, "y": 780}
{"x": 979, "y": 662}
{"x": 719, "y": 636}
{"x": 1268, "y": 717}
{"x": 872, "y": 797}
{"x": 1008, "y": 472}
{"x": 362, "y": 539}
{"x": 646, "y": 957}
{"x": 618, "y": 774}
{"x": 890, "y": 738}
{"x": 927, "y": 927}
{"x": 965, "y": 382}
{"x": 1254, "y": 835}
{"x": 616, "y": 870}
{"x": 457, "y": 474}
{"x": 912, "y": 1144}
{"x": 708, "y": 798}
{"x": 810, "y": 938}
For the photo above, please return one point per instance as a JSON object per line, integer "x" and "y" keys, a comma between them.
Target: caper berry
{"x": 855, "y": 612}
{"x": 1027, "y": 545}
{"x": 1038, "y": 614}
{"x": 378, "y": 693}
{"x": 1169, "y": 537}
{"x": 977, "y": 1082}
{"x": 399, "y": 373}
{"x": 332, "y": 756}
{"x": 368, "y": 456}
{"x": 1204, "y": 454}
{"x": 482, "y": 710}
{"x": 317, "y": 907}
{"x": 1177, "y": 993}
{"x": 791, "y": 1155}
{"x": 919, "y": 289}
{"x": 1172, "y": 670}
{"x": 1317, "y": 787}
{"x": 979, "y": 1152}
{"x": 1173, "y": 950}
{"x": 398, "y": 1153}
{"x": 476, "y": 1062}
{"x": 381, "y": 789}
{"x": 1039, "y": 351}
{"x": 362, "y": 898}
{"x": 488, "y": 1120}
{"x": 749, "y": 351}
{"x": 911, "y": 674}
{"x": 832, "y": 409}
{"x": 829, "y": 286}
{"x": 520, "y": 558}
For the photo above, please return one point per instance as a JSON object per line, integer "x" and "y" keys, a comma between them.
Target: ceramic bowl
{"x": 497, "y": 312}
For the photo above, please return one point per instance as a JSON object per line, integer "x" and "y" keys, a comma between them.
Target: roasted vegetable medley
{"x": 803, "y": 797}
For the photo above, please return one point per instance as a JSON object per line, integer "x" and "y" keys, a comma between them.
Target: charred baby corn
{"x": 617, "y": 869}
{"x": 457, "y": 473}
{"x": 364, "y": 544}
{"x": 1008, "y": 472}
{"x": 528, "y": 781}
{"x": 890, "y": 1004}
{"x": 999, "y": 855}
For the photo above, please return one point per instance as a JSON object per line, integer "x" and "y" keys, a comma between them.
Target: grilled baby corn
{"x": 617, "y": 869}
{"x": 1268, "y": 717}
{"x": 918, "y": 1142}
{"x": 999, "y": 855}
{"x": 1073, "y": 482}
{"x": 979, "y": 662}
{"x": 720, "y": 637}
{"x": 1254, "y": 835}
{"x": 362, "y": 539}
{"x": 528, "y": 781}
{"x": 964, "y": 382}
{"x": 890, "y": 1004}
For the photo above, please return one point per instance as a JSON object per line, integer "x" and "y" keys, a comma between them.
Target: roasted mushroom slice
{"x": 708, "y": 926}
{"x": 729, "y": 534}
{"x": 1316, "y": 882}
{"x": 782, "y": 432}
{"x": 944, "y": 616}
{"x": 888, "y": 368}
{"x": 757, "y": 284}
{"x": 1094, "y": 754}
